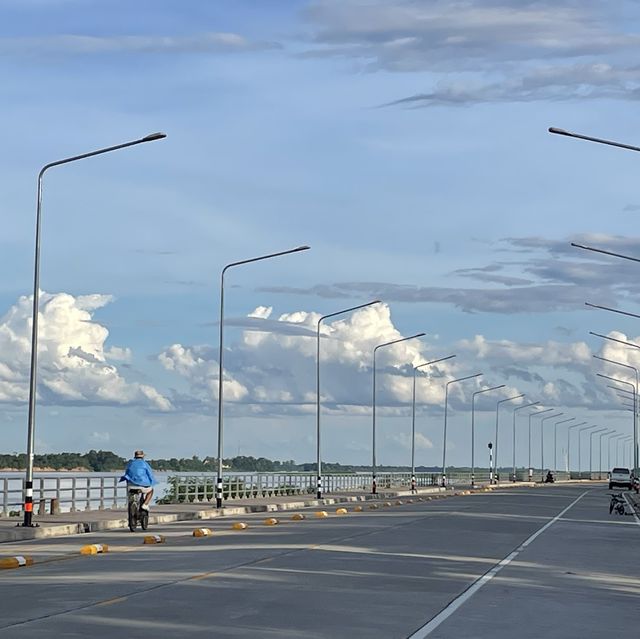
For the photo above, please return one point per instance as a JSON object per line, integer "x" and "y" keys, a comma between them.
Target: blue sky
{"x": 404, "y": 141}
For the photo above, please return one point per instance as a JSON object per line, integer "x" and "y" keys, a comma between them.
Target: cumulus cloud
{"x": 74, "y": 366}
{"x": 274, "y": 371}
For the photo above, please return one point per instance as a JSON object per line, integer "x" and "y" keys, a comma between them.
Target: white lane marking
{"x": 633, "y": 510}
{"x": 445, "y": 613}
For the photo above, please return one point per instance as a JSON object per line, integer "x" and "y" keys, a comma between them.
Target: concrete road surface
{"x": 521, "y": 562}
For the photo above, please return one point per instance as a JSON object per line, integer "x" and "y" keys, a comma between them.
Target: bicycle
{"x": 617, "y": 503}
{"x": 136, "y": 513}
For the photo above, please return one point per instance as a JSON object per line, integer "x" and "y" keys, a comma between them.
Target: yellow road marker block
{"x": 239, "y": 525}
{"x": 374, "y": 506}
{"x": 386, "y": 504}
{"x": 202, "y": 532}
{"x": 94, "y": 549}
{"x": 270, "y": 521}
{"x": 322, "y": 513}
{"x": 297, "y": 517}
{"x": 16, "y": 561}
{"x": 358, "y": 509}
{"x": 341, "y": 511}
{"x": 399, "y": 502}
{"x": 154, "y": 539}
{"x": 409, "y": 501}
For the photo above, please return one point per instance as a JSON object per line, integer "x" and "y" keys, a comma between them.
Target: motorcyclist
{"x": 549, "y": 478}
{"x": 139, "y": 475}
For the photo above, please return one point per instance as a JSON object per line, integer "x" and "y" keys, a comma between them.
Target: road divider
{"x": 94, "y": 549}
{"x": 271, "y": 521}
{"x": 17, "y": 561}
{"x": 297, "y": 517}
{"x": 154, "y": 539}
{"x": 341, "y": 511}
{"x": 357, "y": 509}
{"x": 202, "y": 532}
{"x": 322, "y": 513}
{"x": 239, "y": 525}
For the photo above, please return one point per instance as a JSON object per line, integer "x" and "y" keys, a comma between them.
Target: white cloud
{"x": 73, "y": 365}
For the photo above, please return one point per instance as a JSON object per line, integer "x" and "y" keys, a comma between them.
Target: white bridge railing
{"x": 53, "y": 494}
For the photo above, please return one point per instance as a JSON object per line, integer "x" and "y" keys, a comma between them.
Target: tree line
{"x": 108, "y": 461}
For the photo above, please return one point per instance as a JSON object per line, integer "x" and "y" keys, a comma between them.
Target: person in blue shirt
{"x": 138, "y": 475}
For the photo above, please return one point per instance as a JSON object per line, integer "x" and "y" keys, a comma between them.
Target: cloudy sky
{"x": 405, "y": 141}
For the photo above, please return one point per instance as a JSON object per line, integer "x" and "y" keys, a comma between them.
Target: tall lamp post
{"x": 580, "y": 431}
{"x": 298, "y": 249}
{"x": 569, "y": 429}
{"x": 413, "y": 417}
{"x": 595, "y": 432}
{"x": 473, "y": 437}
{"x": 444, "y": 433}
{"x": 515, "y": 410}
{"x": 374, "y": 488}
{"x": 493, "y": 476}
{"x": 33, "y": 371}
{"x": 590, "y": 138}
{"x": 635, "y": 403}
{"x": 540, "y": 412}
{"x": 618, "y": 455}
{"x": 318, "y": 450}
{"x": 611, "y": 439}
{"x": 555, "y": 442}
{"x": 542, "y": 421}
{"x": 605, "y": 434}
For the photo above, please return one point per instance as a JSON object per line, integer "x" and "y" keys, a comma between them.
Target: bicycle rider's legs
{"x": 147, "y": 491}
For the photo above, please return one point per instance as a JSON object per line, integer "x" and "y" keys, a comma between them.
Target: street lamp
{"x": 621, "y": 441}
{"x": 635, "y": 405}
{"x": 613, "y": 339}
{"x": 613, "y": 310}
{"x": 374, "y": 489}
{"x": 515, "y": 410}
{"x": 494, "y": 474}
{"x": 542, "y": 421}
{"x": 298, "y": 249}
{"x": 318, "y": 453}
{"x": 589, "y": 138}
{"x": 33, "y": 371}
{"x": 555, "y": 442}
{"x": 611, "y": 439}
{"x": 540, "y": 412}
{"x": 595, "y": 432}
{"x": 473, "y": 439}
{"x": 413, "y": 418}
{"x": 607, "y": 434}
{"x": 635, "y": 399}
{"x": 569, "y": 428}
{"x": 580, "y": 431}
{"x": 444, "y": 434}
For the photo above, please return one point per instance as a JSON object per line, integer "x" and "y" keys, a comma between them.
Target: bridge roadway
{"x": 569, "y": 569}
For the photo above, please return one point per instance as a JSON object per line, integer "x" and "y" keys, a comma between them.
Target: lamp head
{"x": 153, "y": 136}
{"x": 557, "y": 131}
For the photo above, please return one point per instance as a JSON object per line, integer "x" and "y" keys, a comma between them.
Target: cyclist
{"x": 138, "y": 475}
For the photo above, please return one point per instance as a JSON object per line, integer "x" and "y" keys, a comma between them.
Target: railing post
{"x": 5, "y": 497}
{"x": 88, "y": 496}
{"x": 101, "y": 504}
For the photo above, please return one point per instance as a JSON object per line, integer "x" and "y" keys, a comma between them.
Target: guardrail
{"x": 201, "y": 487}
{"x": 68, "y": 494}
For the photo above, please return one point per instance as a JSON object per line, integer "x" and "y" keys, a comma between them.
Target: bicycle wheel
{"x": 620, "y": 509}
{"x": 133, "y": 514}
{"x": 144, "y": 518}
{"x": 610, "y": 507}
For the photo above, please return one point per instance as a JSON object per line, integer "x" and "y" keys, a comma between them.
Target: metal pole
{"x": 555, "y": 442}
{"x": 589, "y": 138}
{"x": 374, "y": 488}
{"x": 444, "y": 434}
{"x": 495, "y": 476}
{"x": 33, "y": 370}
{"x": 318, "y": 449}
{"x": 219, "y": 479}
{"x": 580, "y": 430}
{"x": 542, "y": 421}
{"x": 635, "y": 403}
{"x": 473, "y": 438}
{"x": 540, "y": 412}
{"x": 413, "y": 418}
{"x": 515, "y": 410}
{"x": 609, "y": 432}
{"x": 569, "y": 428}
{"x": 591, "y": 449}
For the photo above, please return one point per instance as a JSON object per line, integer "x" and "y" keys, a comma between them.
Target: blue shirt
{"x": 138, "y": 472}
